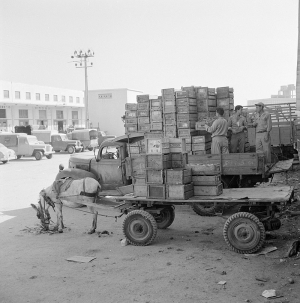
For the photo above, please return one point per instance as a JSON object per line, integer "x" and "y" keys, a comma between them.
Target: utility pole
{"x": 83, "y": 57}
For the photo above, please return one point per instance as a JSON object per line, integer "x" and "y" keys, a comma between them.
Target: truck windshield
{"x": 64, "y": 137}
{"x": 32, "y": 140}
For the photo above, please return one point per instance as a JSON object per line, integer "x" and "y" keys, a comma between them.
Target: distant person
{"x": 263, "y": 124}
{"x": 218, "y": 132}
{"x": 237, "y": 124}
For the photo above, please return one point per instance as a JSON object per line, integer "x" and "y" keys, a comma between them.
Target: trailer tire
{"x": 244, "y": 233}
{"x": 165, "y": 218}
{"x": 139, "y": 228}
{"x": 38, "y": 155}
{"x": 204, "y": 209}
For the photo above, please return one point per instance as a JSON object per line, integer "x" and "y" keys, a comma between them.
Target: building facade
{"x": 107, "y": 106}
{"x": 40, "y": 106}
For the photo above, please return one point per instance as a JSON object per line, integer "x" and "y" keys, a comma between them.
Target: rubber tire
{"x": 139, "y": 228}
{"x": 166, "y": 218}
{"x": 71, "y": 149}
{"x": 49, "y": 156}
{"x": 4, "y": 162}
{"x": 90, "y": 148}
{"x": 38, "y": 155}
{"x": 19, "y": 157}
{"x": 201, "y": 210}
{"x": 57, "y": 150}
{"x": 254, "y": 228}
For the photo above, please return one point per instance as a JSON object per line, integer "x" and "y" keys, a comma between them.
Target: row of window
{"x": 23, "y": 114}
{"x": 38, "y": 96}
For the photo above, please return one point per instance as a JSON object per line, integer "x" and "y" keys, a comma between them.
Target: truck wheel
{"x": 38, "y": 155}
{"x": 165, "y": 218}
{"x": 204, "y": 209}
{"x": 57, "y": 150}
{"x": 4, "y": 162}
{"x": 139, "y": 227}
{"x": 49, "y": 156}
{"x": 71, "y": 149}
{"x": 244, "y": 233}
{"x": 19, "y": 157}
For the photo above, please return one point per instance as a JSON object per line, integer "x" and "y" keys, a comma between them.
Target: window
{"x": 2, "y": 113}
{"x": 77, "y": 100}
{"x": 71, "y": 99}
{"x": 23, "y": 113}
{"x": 110, "y": 152}
{"x": 63, "y": 98}
{"x": 74, "y": 115}
{"x": 55, "y": 98}
{"x": 17, "y": 95}
{"x": 59, "y": 114}
{"x": 47, "y": 97}
{"x": 37, "y": 96}
{"x": 28, "y": 96}
{"x": 42, "y": 114}
{"x": 6, "y": 93}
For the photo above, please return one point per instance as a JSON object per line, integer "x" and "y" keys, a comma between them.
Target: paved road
{"x": 22, "y": 180}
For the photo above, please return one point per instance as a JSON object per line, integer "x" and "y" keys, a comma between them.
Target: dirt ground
{"x": 183, "y": 264}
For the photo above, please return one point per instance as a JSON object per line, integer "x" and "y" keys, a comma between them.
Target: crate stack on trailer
{"x": 169, "y": 112}
{"x": 225, "y": 100}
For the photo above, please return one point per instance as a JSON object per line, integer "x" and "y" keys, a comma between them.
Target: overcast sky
{"x": 147, "y": 45}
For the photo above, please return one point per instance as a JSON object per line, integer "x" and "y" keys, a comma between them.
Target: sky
{"x": 148, "y": 45}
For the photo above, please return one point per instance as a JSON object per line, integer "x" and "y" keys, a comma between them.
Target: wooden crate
{"x": 131, "y": 120}
{"x": 156, "y": 126}
{"x": 177, "y": 145}
{"x": 187, "y": 117}
{"x": 154, "y": 176}
{"x": 170, "y": 131}
{"x": 157, "y": 145}
{"x": 143, "y": 113}
{"x": 170, "y": 116}
{"x": 142, "y": 98}
{"x": 156, "y": 116}
{"x": 204, "y": 92}
{"x": 136, "y": 149}
{"x": 224, "y": 103}
{"x": 170, "y": 122}
{"x": 143, "y": 120}
{"x": 185, "y": 94}
{"x": 178, "y": 160}
{"x": 186, "y": 124}
{"x": 131, "y": 106}
{"x": 169, "y": 109}
{"x": 139, "y": 180}
{"x": 224, "y": 92}
{"x": 201, "y": 146}
{"x": 156, "y": 104}
{"x": 206, "y": 180}
{"x": 180, "y": 192}
{"x": 135, "y": 166}
{"x": 201, "y": 139}
{"x": 130, "y": 128}
{"x": 212, "y": 109}
{"x": 144, "y": 106}
{"x": 204, "y": 169}
{"x": 178, "y": 176}
{"x": 156, "y": 191}
{"x": 159, "y": 162}
{"x": 167, "y": 102}
{"x": 140, "y": 190}
{"x": 187, "y": 109}
{"x": 201, "y": 152}
{"x": 186, "y": 102}
{"x": 212, "y": 190}
{"x": 130, "y": 114}
{"x": 146, "y": 127}
{"x": 168, "y": 92}
{"x": 187, "y": 132}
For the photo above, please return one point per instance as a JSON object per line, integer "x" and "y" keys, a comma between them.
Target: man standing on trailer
{"x": 218, "y": 132}
{"x": 263, "y": 124}
{"x": 237, "y": 124}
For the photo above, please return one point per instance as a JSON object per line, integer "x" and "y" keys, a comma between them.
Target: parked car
{"x": 26, "y": 145}
{"x": 6, "y": 154}
{"x": 59, "y": 142}
{"x": 88, "y": 137}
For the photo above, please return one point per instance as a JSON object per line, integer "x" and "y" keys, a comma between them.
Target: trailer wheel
{"x": 244, "y": 233}
{"x": 38, "y": 155}
{"x": 204, "y": 209}
{"x": 139, "y": 227}
{"x": 165, "y": 218}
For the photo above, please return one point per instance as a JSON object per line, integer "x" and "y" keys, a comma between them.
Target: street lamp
{"x": 83, "y": 58}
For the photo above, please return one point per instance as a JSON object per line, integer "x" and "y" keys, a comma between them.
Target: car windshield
{"x": 64, "y": 137}
{"x": 32, "y": 140}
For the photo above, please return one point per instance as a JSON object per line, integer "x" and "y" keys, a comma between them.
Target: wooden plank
{"x": 178, "y": 176}
{"x": 178, "y": 192}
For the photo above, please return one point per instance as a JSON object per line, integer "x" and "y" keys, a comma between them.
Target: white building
{"x": 49, "y": 107}
{"x": 107, "y": 106}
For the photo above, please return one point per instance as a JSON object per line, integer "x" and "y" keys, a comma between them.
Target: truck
{"x": 102, "y": 136}
{"x": 88, "y": 137}
{"x": 59, "y": 142}
{"x": 26, "y": 145}
{"x": 244, "y": 230}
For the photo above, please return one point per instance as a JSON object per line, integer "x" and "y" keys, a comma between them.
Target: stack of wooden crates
{"x": 225, "y": 100}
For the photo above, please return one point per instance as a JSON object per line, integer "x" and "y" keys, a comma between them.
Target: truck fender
{"x": 40, "y": 150}
{"x": 75, "y": 173}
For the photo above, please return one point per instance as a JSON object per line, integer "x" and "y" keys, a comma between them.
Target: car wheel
{"x": 5, "y": 161}
{"x": 57, "y": 150}
{"x": 49, "y": 156}
{"x": 71, "y": 149}
{"x": 19, "y": 157}
{"x": 38, "y": 155}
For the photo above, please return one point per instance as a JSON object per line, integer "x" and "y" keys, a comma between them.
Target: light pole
{"x": 83, "y": 59}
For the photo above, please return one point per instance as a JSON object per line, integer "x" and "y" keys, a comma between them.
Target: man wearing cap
{"x": 218, "y": 132}
{"x": 263, "y": 124}
{"x": 237, "y": 124}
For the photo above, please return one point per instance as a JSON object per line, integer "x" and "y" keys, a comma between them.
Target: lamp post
{"x": 83, "y": 63}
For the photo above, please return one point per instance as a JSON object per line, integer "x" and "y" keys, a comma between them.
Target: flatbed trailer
{"x": 244, "y": 230}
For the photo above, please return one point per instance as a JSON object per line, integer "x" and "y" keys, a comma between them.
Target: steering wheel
{"x": 112, "y": 155}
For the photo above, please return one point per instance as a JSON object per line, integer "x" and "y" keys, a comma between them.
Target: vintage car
{"x": 6, "y": 154}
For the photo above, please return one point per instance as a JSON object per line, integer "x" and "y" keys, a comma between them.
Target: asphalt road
{"x": 22, "y": 180}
